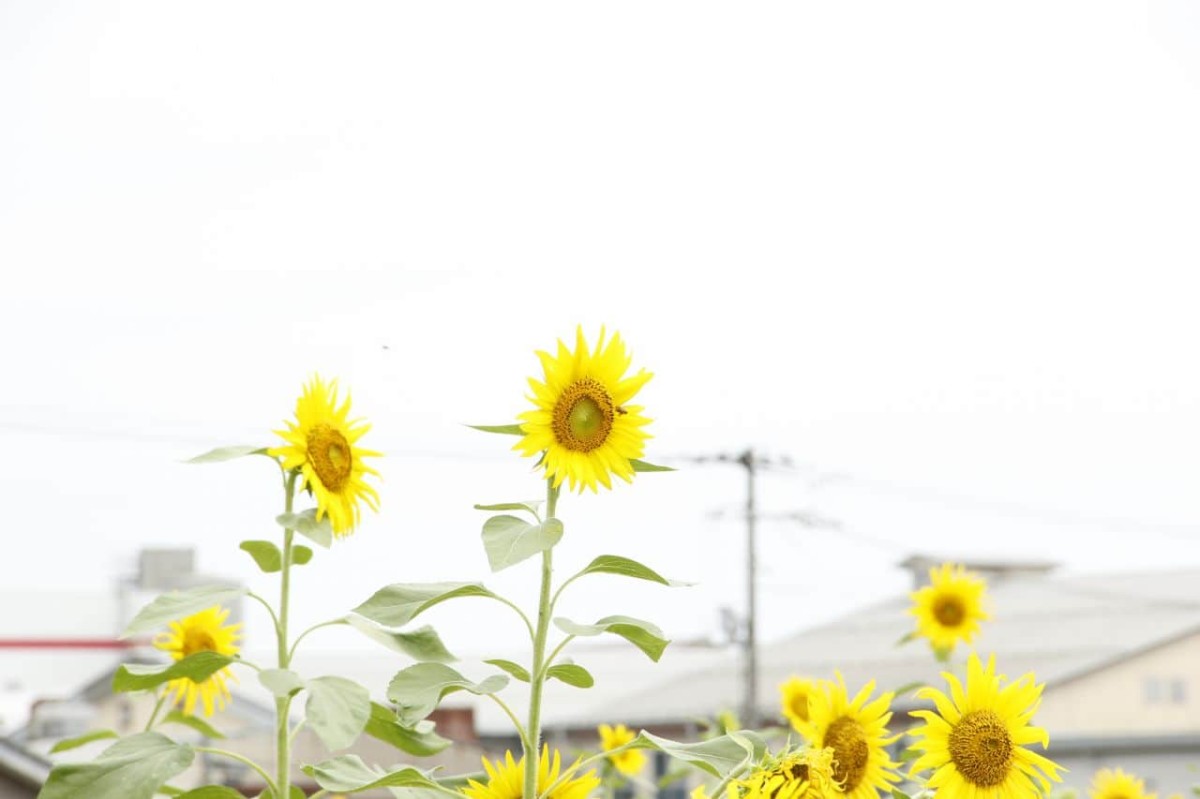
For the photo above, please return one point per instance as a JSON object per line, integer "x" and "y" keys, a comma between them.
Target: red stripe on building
{"x": 65, "y": 643}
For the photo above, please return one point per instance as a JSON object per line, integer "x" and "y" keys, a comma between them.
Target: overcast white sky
{"x": 944, "y": 252}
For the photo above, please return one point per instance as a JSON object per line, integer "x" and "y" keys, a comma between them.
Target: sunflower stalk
{"x": 533, "y": 730}
{"x": 283, "y": 703}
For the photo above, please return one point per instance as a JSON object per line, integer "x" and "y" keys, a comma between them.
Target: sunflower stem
{"x": 162, "y": 697}
{"x": 533, "y": 730}
{"x": 240, "y": 759}
{"x": 283, "y": 704}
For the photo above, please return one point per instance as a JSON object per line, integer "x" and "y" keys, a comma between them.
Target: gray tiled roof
{"x": 1058, "y": 627}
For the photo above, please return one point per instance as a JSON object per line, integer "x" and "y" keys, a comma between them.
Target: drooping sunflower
{"x": 631, "y": 761}
{"x": 582, "y": 420}
{"x": 976, "y": 740}
{"x": 205, "y": 631}
{"x": 794, "y": 694}
{"x": 506, "y": 779}
{"x": 856, "y": 731}
{"x": 803, "y": 774}
{"x": 322, "y": 444}
{"x": 1118, "y": 784}
{"x": 949, "y": 609}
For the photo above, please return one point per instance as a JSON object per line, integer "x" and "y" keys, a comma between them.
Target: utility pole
{"x": 750, "y": 677}
{"x": 752, "y": 462}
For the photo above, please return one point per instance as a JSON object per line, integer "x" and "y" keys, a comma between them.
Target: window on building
{"x": 1164, "y": 691}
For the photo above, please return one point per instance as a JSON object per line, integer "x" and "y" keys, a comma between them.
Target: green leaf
{"x": 418, "y": 689}
{"x": 615, "y": 564}
{"x": 422, "y": 644}
{"x": 170, "y": 790}
{"x": 350, "y": 773}
{"x": 642, "y": 466}
{"x": 305, "y": 523}
{"x": 502, "y": 429}
{"x": 301, "y": 554}
{"x": 132, "y": 768}
{"x": 67, "y": 744}
{"x": 197, "y": 667}
{"x": 265, "y": 554}
{"x": 398, "y": 604}
{"x": 212, "y": 792}
{"x": 642, "y": 634}
{"x": 337, "y": 710}
{"x": 907, "y": 637}
{"x": 281, "y": 682}
{"x": 180, "y": 604}
{"x": 509, "y": 540}
{"x": 384, "y": 726}
{"x": 455, "y": 782}
{"x": 532, "y": 506}
{"x": 517, "y": 671}
{"x": 199, "y": 725}
{"x": 717, "y": 756}
{"x": 228, "y": 453}
{"x": 899, "y": 794}
{"x": 571, "y": 674}
{"x": 909, "y": 755}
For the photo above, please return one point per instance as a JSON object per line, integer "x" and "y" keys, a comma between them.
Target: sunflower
{"x": 805, "y": 774}
{"x": 976, "y": 739}
{"x": 506, "y": 780}
{"x": 1117, "y": 784}
{"x": 321, "y": 444}
{"x": 582, "y": 421}
{"x": 629, "y": 762}
{"x": 794, "y": 700}
{"x": 857, "y": 733}
{"x": 201, "y": 632}
{"x": 950, "y": 608}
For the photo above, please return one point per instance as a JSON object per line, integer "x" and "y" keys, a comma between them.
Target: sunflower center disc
{"x": 848, "y": 741}
{"x": 329, "y": 454}
{"x": 981, "y": 748}
{"x": 949, "y": 611}
{"x": 198, "y": 641}
{"x": 583, "y": 416}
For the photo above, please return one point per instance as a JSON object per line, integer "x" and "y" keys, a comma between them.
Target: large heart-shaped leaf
{"x": 337, "y": 710}
{"x": 509, "y": 540}
{"x": 642, "y": 634}
{"x": 416, "y": 740}
{"x": 305, "y": 523}
{"x": 615, "y": 564}
{"x": 418, "y": 689}
{"x": 228, "y": 453}
{"x": 398, "y": 604}
{"x": 350, "y": 773}
{"x": 718, "y": 756}
{"x": 197, "y": 668}
{"x": 132, "y": 768}
{"x": 422, "y": 644}
{"x": 180, "y": 604}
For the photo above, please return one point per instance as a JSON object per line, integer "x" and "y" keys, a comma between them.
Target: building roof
{"x": 1060, "y": 628}
{"x": 21, "y": 765}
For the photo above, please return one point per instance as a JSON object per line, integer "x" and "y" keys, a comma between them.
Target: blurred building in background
{"x": 1119, "y": 654}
